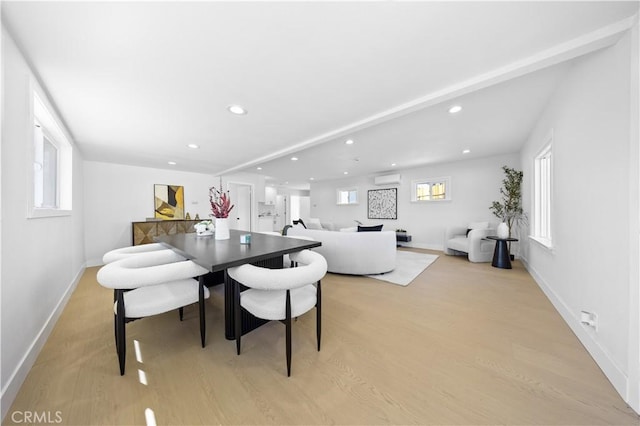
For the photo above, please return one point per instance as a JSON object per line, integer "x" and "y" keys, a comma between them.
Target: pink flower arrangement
{"x": 220, "y": 202}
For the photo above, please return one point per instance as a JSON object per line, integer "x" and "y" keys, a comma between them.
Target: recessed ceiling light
{"x": 258, "y": 168}
{"x": 236, "y": 109}
{"x": 393, "y": 164}
{"x": 171, "y": 163}
{"x": 193, "y": 146}
{"x": 346, "y": 173}
{"x": 349, "y": 141}
{"x": 312, "y": 178}
{"x": 294, "y": 158}
{"x": 454, "y": 109}
{"x": 466, "y": 151}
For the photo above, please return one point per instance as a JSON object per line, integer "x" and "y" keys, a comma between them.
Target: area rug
{"x": 408, "y": 266}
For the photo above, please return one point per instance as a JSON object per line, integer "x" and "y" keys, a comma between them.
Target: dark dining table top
{"x": 218, "y": 255}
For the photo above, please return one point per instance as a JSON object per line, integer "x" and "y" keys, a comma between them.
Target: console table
{"x": 145, "y": 232}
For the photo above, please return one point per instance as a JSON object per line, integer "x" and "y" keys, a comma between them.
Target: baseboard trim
{"x": 611, "y": 370}
{"x": 11, "y": 389}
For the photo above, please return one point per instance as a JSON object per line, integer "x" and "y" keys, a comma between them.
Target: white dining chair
{"x": 124, "y": 252}
{"x": 280, "y": 294}
{"x": 149, "y": 284}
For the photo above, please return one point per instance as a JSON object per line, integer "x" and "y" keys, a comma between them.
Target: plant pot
{"x": 222, "y": 228}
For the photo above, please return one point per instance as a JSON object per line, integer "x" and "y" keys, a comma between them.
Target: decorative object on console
{"x": 382, "y": 203}
{"x": 168, "y": 201}
{"x": 509, "y": 209}
{"x": 220, "y": 207}
{"x": 204, "y": 228}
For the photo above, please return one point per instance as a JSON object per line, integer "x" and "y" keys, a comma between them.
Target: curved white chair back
{"x": 124, "y": 252}
{"x": 313, "y": 268}
{"x": 147, "y": 269}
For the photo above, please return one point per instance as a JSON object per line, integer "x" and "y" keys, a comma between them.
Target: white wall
{"x": 42, "y": 259}
{"x": 474, "y": 184}
{"x": 589, "y": 267}
{"x": 116, "y": 195}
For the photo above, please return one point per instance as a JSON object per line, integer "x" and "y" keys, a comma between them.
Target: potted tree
{"x": 509, "y": 208}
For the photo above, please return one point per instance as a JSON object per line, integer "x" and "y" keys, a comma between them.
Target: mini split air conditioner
{"x": 386, "y": 179}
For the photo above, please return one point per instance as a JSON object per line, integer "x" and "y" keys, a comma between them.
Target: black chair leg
{"x": 181, "y": 313}
{"x": 203, "y": 325}
{"x": 237, "y": 316}
{"x": 287, "y": 323}
{"x": 115, "y": 320}
{"x": 120, "y": 331}
{"x": 318, "y": 313}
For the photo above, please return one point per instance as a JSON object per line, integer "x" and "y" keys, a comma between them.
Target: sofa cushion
{"x": 459, "y": 243}
{"x": 370, "y": 228}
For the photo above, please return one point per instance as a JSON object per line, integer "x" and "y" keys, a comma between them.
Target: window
{"x": 348, "y": 196}
{"x": 543, "y": 196}
{"x": 45, "y": 171}
{"x": 433, "y": 189}
{"x": 51, "y": 165}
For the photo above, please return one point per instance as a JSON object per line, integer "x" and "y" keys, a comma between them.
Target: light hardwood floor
{"x": 462, "y": 344}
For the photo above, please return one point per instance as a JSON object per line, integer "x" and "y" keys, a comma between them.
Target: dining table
{"x": 242, "y": 247}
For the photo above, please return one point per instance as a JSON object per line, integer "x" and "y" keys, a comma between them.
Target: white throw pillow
{"x": 313, "y": 223}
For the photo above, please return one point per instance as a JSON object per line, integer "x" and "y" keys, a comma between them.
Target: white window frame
{"x": 339, "y": 193}
{"x": 431, "y": 181}
{"x": 543, "y": 195}
{"x": 44, "y": 124}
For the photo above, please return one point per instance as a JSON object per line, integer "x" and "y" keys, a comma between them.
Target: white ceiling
{"x": 136, "y": 82}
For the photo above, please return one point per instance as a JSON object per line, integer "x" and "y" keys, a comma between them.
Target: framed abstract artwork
{"x": 382, "y": 203}
{"x": 168, "y": 201}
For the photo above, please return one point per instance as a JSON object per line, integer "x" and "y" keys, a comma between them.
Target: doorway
{"x": 282, "y": 212}
{"x": 241, "y": 195}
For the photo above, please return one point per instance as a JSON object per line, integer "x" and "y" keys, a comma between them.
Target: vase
{"x": 503, "y": 230}
{"x": 222, "y": 228}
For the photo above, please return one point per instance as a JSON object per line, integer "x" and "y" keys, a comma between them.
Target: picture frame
{"x": 382, "y": 203}
{"x": 168, "y": 202}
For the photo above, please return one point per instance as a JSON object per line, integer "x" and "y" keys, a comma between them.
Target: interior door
{"x": 282, "y": 218}
{"x": 240, "y": 216}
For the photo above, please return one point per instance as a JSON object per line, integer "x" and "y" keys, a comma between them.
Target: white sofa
{"x": 470, "y": 240}
{"x": 355, "y": 253}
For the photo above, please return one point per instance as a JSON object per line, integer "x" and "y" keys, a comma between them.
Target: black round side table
{"x": 501, "y": 255}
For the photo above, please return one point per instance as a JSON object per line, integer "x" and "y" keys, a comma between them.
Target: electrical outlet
{"x": 589, "y": 319}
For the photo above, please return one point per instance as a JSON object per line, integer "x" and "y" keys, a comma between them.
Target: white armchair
{"x": 470, "y": 240}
